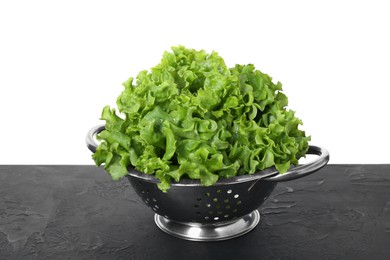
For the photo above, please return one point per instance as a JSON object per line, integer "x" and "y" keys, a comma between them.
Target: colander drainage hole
{"x": 219, "y": 191}
{"x": 216, "y": 218}
{"x": 217, "y": 206}
{"x": 207, "y": 194}
{"x": 236, "y": 196}
{"x": 196, "y": 206}
{"x": 206, "y": 217}
{"x": 215, "y": 199}
{"x": 208, "y": 205}
{"x": 229, "y": 191}
{"x": 226, "y": 216}
{"x": 239, "y": 202}
{"x": 154, "y": 199}
{"x": 226, "y": 200}
{"x": 199, "y": 199}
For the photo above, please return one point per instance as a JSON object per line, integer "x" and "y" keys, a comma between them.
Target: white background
{"x": 61, "y": 62}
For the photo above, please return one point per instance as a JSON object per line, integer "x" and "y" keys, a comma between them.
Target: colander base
{"x": 209, "y": 232}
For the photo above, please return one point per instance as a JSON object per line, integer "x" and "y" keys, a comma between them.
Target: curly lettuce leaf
{"x": 193, "y": 117}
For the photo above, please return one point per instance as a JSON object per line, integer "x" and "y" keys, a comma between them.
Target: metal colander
{"x": 225, "y": 210}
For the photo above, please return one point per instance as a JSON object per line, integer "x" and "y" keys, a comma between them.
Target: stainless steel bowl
{"x": 225, "y": 210}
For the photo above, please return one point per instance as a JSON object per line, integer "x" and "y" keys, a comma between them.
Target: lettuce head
{"x": 192, "y": 117}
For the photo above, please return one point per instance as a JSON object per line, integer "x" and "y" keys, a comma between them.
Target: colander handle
{"x": 306, "y": 169}
{"x": 89, "y": 139}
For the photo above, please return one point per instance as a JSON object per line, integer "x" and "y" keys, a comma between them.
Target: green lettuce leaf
{"x": 192, "y": 117}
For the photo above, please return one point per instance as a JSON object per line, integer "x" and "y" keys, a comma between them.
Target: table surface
{"x": 78, "y": 212}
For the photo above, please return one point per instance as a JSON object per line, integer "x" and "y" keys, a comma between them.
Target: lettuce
{"x": 193, "y": 117}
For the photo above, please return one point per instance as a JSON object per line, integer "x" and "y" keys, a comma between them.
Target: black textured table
{"x": 78, "y": 212}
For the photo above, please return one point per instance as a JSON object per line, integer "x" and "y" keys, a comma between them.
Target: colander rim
{"x": 269, "y": 174}
{"x": 190, "y": 182}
